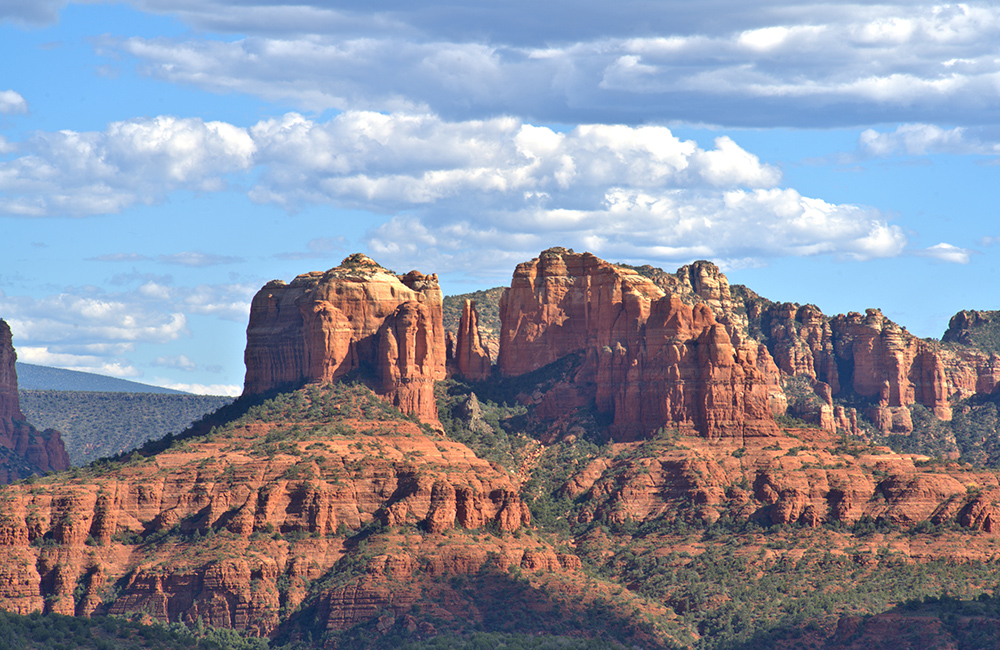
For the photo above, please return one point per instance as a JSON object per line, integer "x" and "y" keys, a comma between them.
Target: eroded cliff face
{"x": 802, "y": 480}
{"x": 357, "y": 316}
{"x": 651, "y": 358}
{"x": 258, "y": 501}
{"x": 870, "y": 356}
{"x": 24, "y": 451}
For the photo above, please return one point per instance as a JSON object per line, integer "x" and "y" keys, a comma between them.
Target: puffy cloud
{"x": 84, "y": 328}
{"x": 387, "y": 162}
{"x": 672, "y": 226}
{"x": 227, "y": 301}
{"x": 781, "y": 64}
{"x": 493, "y": 183}
{"x": 84, "y": 363}
{"x": 11, "y": 102}
{"x": 947, "y": 253}
{"x": 135, "y": 161}
{"x": 367, "y": 159}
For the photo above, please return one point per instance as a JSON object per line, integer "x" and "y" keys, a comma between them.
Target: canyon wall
{"x": 283, "y": 519}
{"x": 677, "y": 349}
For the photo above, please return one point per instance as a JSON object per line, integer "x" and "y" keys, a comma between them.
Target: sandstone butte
{"x": 650, "y": 358}
{"x": 355, "y": 317}
{"x": 325, "y": 503}
{"x": 24, "y": 451}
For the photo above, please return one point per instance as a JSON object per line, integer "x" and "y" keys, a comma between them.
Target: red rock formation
{"x": 10, "y": 407}
{"x": 408, "y": 356}
{"x": 801, "y": 342}
{"x": 652, "y": 360}
{"x": 790, "y": 482}
{"x": 316, "y": 490}
{"x": 472, "y": 359}
{"x": 880, "y": 359}
{"x": 963, "y": 326}
{"x": 322, "y": 326}
{"x": 894, "y": 365}
{"x": 24, "y": 450}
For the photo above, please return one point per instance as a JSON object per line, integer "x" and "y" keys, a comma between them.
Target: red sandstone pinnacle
{"x": 900, "y": 368}
{"x": 652, "y": 360}
{"x": 323, "y": 325}
{"x": 471, "y": 356}
{"x": 408, "y": 361}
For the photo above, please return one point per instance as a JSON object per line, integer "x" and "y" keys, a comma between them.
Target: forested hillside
{"x": 99, "y": 424}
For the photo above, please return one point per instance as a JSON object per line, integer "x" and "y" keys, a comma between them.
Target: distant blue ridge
{"x": 32, "y": 377}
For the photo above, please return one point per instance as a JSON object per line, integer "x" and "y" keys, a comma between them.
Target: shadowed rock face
{"x": 652, "y": 360}
{"x": 358, "y": 316}
{"x": 10, "y": 408}
{"x": 24, "y": 451}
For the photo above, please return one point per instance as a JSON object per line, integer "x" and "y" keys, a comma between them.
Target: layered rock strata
{"x": 651, "y": 359}
{"x": 355, "y": 317}
{"x": 24, "y": 451}
{"x": 787, "y": 481}
{"x": 277, "y": 515}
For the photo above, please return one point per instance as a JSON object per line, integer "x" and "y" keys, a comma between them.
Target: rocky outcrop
{"x": 785, "y": 482}
{"x": 651, "y": 359}
{"x": 278, "y": 515}
{"x": 869, "y": 356}
{"x": 471, "y": 358}
{"x": 971, "y": 327}
{"x": 355, "y": 317}
{"x": 24, "y": 451}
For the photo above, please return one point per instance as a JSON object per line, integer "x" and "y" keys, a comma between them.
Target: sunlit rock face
{"x": 653, "y": 358}
{"x": 357, "y": 316}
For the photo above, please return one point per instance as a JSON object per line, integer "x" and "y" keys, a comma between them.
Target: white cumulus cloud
{"x": 134, "y": 161}
{"x": 84, "y": 363}
{"x": 923, "y": 139}
{"x": 11, "y": 102}
{"x": 475, "y": 183}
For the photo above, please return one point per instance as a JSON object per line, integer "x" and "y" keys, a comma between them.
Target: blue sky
{"x": 160, "y": 160}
